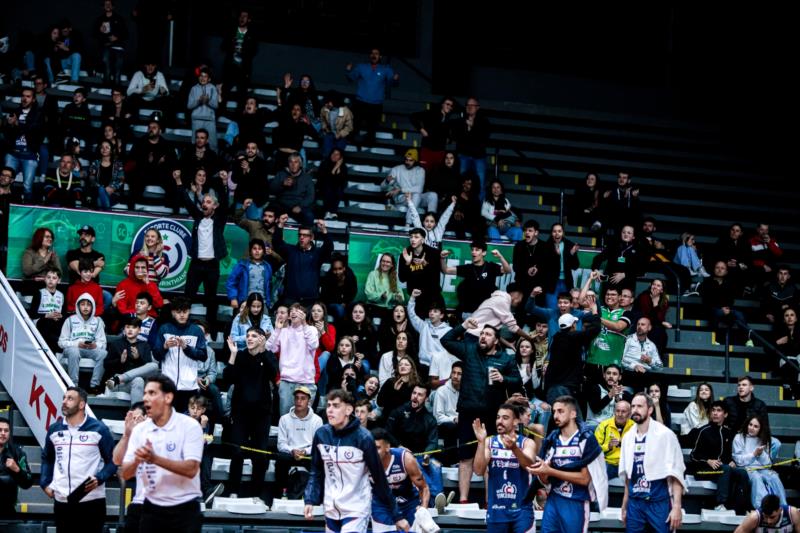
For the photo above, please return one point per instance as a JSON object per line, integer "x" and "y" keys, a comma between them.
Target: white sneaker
{"x": 440, "y": 502}
{"x": 720, "y": 507}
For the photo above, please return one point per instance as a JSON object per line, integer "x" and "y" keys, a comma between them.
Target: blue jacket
{"x": 181, "y": 365}
{"x": 302, "y": 279}
{"x": 237, "y": 285}
{"x": 342, "y": 463}
{"x": 372, "y": 83}
{"x": 239, "y": 330}
{"x": 86, "y": 452}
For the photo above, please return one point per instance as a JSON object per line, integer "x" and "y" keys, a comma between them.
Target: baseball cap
{"x": 566, "y": 321}
{"x": 87, "y": 229}
{"x": 302, "y": 388}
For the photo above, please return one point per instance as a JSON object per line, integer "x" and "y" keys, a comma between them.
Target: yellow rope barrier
{"x": 752, "y": 468}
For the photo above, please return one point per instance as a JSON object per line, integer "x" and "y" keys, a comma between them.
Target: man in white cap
{"x": 295, "y": 432}
{"x": 565, "y": 370}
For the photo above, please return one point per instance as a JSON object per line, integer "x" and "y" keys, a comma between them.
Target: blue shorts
{"x": 563, "y": 515}
{"x": 355, "y": 524}
{"x": 643, "y": 513}
{"x": 382, "y": 517}
{"x": 524, "y": 522}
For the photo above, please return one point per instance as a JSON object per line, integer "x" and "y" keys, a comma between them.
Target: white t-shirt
{"x": 205, "y": 239}
{"x": 442, "y": 364}
{"x": 180, "y": 439}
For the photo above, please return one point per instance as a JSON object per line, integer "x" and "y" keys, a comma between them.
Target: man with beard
{"x": 420, "y": 266}
{"x": 506, "y": 456}
{"x": 653, "y": 481}
{"x": 76, "y": 463}
{"x": 530, "y": 259}
{"x": 272, "y": 218}
{"x": 168, "y": 446}
{"x": 414, "y": 426}
{"x": 86, "y": 238}
{"x": 405, "y": 479}
{"x": 490, "y": 376}
{"x": 153, "y": 157}
{"x": 201, "y": 155}
{"x": 249, "y": 173}
{"x": 15, "y": 472}
{"x": 568, "y": 461}
{"x": 343, "y": 459}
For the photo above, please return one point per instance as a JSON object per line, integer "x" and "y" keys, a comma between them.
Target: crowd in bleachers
{"x": 400, "y": 352}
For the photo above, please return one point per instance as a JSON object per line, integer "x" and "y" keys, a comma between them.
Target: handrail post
{"x": 561, "y": 207}
{"x": 728, "y": 354}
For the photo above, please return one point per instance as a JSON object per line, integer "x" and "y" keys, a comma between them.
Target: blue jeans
{"x": 105, "y": 200}
{"x": 514, "y": 233}
{"x": 433, "y": 476}
{"x": 28, "y": 167}
{"x": 612, "y": 471}
{"x": 329, "y": 142}
{"x": 478, "y": 165}
{"x": 44, "y": 158}
{"x": 336, "y": 311}
{"x": 112, "y": 60}
{"x": 323, "y": 376}
{"x": 73, "y": 62}
{"x": 551, "y": 298}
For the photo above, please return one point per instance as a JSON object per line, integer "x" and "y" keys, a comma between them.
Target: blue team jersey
{"x": 784, "y": 525}
{"x": 403, "y": 490}
{"x": 508, "y": 483}
{"x": 571, "y": 455}
{"x": 639, "y": 486}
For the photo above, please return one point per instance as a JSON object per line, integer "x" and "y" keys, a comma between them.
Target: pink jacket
{"x": 297, "y": 346}
{"x": 495, "y": 311}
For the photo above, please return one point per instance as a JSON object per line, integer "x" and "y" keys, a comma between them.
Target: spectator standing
{"x": 208, "y": 249}
{"x": 766, "y": 253}
{"x": 734, "y": 250}
{"x": 608, "y": 347}
{"x": 563, "y": 261}
{"x": 153, "y": 157}
{"x": 372, "y": 79}
{"x": 297, "y": 343}
{"x": 112, "y": 34}
{"x": 603, "y": 397}
{"x": 252, "y": 374}
{"x": 479, "y": 277}
{"x": 624, "y": 259}
{"x": 585, "y": 201}
{"x": 420, "y": 267}
{"x": 498, "y": 312}
{"x": 168, "y": 446}
{"x": 620, "y": 206}
{"x": 490, "y": 376}
{"x": 433, "y": 125}
{"x": 654, "y": 304}
{"x": 129, "y": 362}
{"x": 180, "y": 349}
{"x": 296, "y": 431}
{"x": 240, "y": 48}
{"x": 530, "y": 259}
{"x": 332, "y": 176}
{"x": 434, "y": 230}
{"x": 48, "y": 309}
{"x": 654, "y": 483}
{"x": 565, "y": 372}
{"x": 15, "y": 472}
{"x": 303, "y": 263}
{"x": 106, "y": 177}
{"x": 24, "y": 130}
{"x": 263, "y": 229}
{"x": 446, "y": 414}
{"x": 609, "y": 435}
{"x": 77, "y": 457}
{"x": 471, "y": 131}
{"x": 431, "y": 332}
{"x": 467, "y": 212}
{"x": 788, "y": 342}
{"x": 203, "y": 102}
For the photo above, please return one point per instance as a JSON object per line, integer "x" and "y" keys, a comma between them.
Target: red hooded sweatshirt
{"x": 133, "y": 286}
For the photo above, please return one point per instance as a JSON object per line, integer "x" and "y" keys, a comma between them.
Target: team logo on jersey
{"x": 507, "y": 490}
{"x": 348, "y": 455}
{"x": 83, "y": 438}
{"x": 171, "y": 446}
{"x": 566, "y": 489}
{"x": 177, "y": 242}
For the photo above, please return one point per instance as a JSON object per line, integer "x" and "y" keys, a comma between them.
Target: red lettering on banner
{"x": 36, "y": 394}
{"x": 3, "y": 338}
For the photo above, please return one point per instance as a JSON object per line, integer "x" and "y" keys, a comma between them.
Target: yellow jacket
{"x": 606, "y": 431}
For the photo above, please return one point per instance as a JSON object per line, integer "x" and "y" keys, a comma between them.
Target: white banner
{"x": 28, "y": 369}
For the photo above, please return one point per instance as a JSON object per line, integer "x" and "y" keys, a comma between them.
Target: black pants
{"x": 249, "y": 427}
{"x": 283, "y": 462}
{"x": 466, "y": 433}
{"x": 733, "y": 487}
{"x": 181, "y": 399}
{"x": 133, "y": 518}
{"x": 183, "y": 518}
{"x": 448, "y": 431}
{"x": 88, "y": 517}
{"x": 207, "y": 273}
{"x": 368, "y": 115}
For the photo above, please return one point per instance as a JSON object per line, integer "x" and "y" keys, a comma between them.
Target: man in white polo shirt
{"x": 169, "y": 446}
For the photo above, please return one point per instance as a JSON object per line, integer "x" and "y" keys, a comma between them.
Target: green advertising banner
{"x": 118, "y": 236}
{"x": 365, "y": 250}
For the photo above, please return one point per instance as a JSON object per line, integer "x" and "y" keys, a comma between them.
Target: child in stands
{"x": 86, "y": 284}
{"x": 48, "y": 308}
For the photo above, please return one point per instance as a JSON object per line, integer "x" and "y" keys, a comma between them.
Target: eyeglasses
{"x": 306, "y": 235}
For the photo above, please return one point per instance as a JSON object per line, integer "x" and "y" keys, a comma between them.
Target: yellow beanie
{"x": 413, "y": 154}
